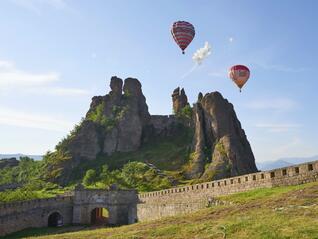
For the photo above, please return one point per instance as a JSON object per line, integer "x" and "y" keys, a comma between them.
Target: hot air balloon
{"x": 239, "y": 74}
{"x": 183, "y": 33}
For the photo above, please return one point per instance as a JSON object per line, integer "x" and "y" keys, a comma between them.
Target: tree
{"x": 106, "y": 176}
{"x": 133, "y": 173}
{"x": 90, "y": 177}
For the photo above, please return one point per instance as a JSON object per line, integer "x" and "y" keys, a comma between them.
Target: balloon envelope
{"x": 183, "y": 33}
{"x": 239, "y": 74}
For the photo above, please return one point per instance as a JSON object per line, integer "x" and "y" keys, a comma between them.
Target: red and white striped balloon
{"x": 239, "y": 74}
{"x": 183, "y": 33}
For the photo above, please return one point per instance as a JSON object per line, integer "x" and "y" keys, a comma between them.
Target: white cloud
{"x": 33, "y": 120}
{"x": 283, "y": 146}
{"x": 58, "y": 91}
{"x": 10, "y": 76}
{"x": 280, "y": 104}
{"x": 294, "y": 147}
{"x": 231, "y": 39}
{"x": 37, "y": 5}
{"x": 13, "y": 79}
{"x": 283, "y": 127}
{"x": 284, "y": 149}
{"x": 5, "y": 64}
{"x": 202, "y": 53}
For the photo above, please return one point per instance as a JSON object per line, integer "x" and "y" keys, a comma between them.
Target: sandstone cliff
{"x": 119, "y": 122}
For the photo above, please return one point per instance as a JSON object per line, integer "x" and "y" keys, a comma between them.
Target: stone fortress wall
{"x": 169, "y": 202}
{"x": 33, "y": 213}
{"x": 126, "y": 206}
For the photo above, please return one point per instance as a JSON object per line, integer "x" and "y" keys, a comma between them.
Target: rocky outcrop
{"x": 10, "y": 186}
{"x": 135, "y": 118}
{"x": 164, "y": 125}
{"x": 198, "y": 157}
{"x": 179, "y": 100}
{"x": 120, "y": 122}
{"x": 114, "y": 122}
{"x": 8, "y": 162}
{"x": 85, "y": 145}
{"x": 220, "y": 146}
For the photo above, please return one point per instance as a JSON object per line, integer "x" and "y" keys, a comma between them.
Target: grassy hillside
{"x": 169, "y": 154}
{"x": 283, "y": 212}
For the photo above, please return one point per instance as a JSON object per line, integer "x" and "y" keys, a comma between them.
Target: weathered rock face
{"x": 220, "y": 144}
{"x": 85, "y": 145}
{"x": 8, "y": 162}
{"x": 179, "y": 100}
{"x": 135, "y": 119}
{"x": 120, "y": 122}
{"x": 163, "y": 125}
{"x": 114, "y": 122}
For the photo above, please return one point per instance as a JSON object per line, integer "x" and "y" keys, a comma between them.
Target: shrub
{"x": 185, "y": 112}
{"x": 90, "y": 177}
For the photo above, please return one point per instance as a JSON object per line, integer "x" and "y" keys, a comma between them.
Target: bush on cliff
{"x": 32, "y": 190}
{"x": 90, "y": 177}
{"x": 27, "y": 170}
{"x": 134, "y": 175}
{"x": 97, "y": 115}
{"x": 144, "y": 178}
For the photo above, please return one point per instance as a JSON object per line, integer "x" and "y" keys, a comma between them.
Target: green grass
{"x": 261, "y": 193}
{"x": 278, "y": 213}
{"x": 22, "y": 194}
{"x": 168, "y": 154}
{"x": 33, "y": 232}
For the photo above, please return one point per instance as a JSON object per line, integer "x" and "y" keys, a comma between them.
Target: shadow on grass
{"x": 32, "y": 232}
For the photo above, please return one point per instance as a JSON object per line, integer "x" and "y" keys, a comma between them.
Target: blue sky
{"x": 56, "y": 54}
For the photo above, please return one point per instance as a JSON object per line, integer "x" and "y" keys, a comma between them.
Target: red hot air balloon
{"x": 183, "y": 33}
{"x": 239, "y": 74}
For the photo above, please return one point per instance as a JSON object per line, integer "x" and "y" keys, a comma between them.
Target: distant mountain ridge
{"x": 284, "y": 162}
{"x": 17, "y": 156}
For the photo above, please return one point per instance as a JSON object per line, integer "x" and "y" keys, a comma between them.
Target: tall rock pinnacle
{"x": 218, "y": 140}
{"x": 179, "y": 100}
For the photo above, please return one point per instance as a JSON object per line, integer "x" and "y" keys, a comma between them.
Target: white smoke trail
{"x": 189, "y": 72}
{"x": 202, "y": 53}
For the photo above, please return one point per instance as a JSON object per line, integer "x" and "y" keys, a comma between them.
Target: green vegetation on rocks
{"x": 134, "y": 175}
{"x": 185, "y": 112}
{"x": 220, "y": 148}
{"x": 98, "y": 116}
{"x": 27, "y": 170}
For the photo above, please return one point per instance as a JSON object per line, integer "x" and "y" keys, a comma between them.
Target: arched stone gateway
{"x": 99, "y": 216}
{"x": 55, "y": 219}
{"x": 90, "y": 206}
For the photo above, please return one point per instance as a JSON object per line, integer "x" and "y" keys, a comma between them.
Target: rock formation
{"x": 114, "y": 122}
{"x": 8, "y": 162}
{"x": 120, "y": 122}
{"x": 179, "y": 100}
{"x": 220, "y": 146}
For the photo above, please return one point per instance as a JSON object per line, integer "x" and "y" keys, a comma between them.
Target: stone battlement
{"x": 7, "y": 208}
{"x": 190, "y": 198}
{"x": 291, "y": 175}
